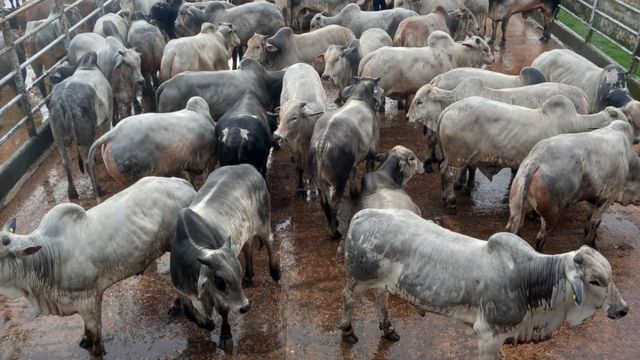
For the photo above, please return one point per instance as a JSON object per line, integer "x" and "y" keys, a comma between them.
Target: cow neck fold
{"x": 539, "y": 278}
{"x": 391, "y": 169}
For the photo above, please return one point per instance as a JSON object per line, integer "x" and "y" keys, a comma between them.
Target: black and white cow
{"x": 502, "y": 287}
{"x": 231, "y": 210}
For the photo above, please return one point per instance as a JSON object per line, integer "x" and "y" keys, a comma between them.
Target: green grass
{"x": 597, "y": 40}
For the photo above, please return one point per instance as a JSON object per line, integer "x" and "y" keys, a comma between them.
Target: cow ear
{"x": 271, "y": 48}
{"x": 577, "y": 287}
{"x": 26, "y": 251}
{"x": 202, "y": 279}
{"x": 348, "y": 91}
{"x": 320, "y": 58}
{"x": 381, "y": 157}
{"x": 10, "y": 226}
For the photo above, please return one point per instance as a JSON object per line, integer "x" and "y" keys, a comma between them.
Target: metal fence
{"x": 622, "y": 29}
{"x": 15, "y": 77}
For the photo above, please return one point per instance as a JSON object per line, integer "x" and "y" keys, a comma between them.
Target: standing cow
{"x": 502, "y": 287}
{"x": 244, "y": 134}
{"x": 79, "y": 106}
{"x": 302, "y": 102}
{"x": 600, "y": 167}
{"x": 414, "y": 31}
{"x": 479, "y": 8}
{"x": 230, "y": 212}
{"x": 158, "y": 145}
{"x": 64, "y": 266}
{"x": 341, "y": 140}
{"x": 501, "y": 11}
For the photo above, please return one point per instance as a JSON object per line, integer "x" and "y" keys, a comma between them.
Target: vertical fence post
{"x": 100, "y": 4}
{"x": 594, "y": 6}
{"x": 635, "y": 54}
{"x": 18, "y": 79}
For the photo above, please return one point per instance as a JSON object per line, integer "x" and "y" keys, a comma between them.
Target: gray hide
{"x": 492, "y": 79}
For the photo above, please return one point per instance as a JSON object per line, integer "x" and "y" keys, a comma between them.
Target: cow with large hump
{"x": 492, "y": 135}
{"x": 209, "y": 50}
{"x": 479, "y": 8}
{"x": 148, "y": 41}
{"x": 341, "y": 140}
{"x": 600, "y": 167}
{"x": 231, "y": 211}
{"x": 65, "y": 265}
{"x": 418, "y": 66}
{"x": 113, "y": 25}
{"x": 414, "y": 31}
{"x": 358, "y": 21}
{"x": 247, "y": 19}
{"x": 221, "y": 89}
{"x": 121, "y": 66}
{"x": 502, "y": 287}
{"x": 78, "y": 107}
{"x": 341, "y": 61}
{"x": 286, "y": 48}
{"x": 492, "y": 79}
{"x": 302, "y": 102}
{"x": 244, "y": 134}
{"x": 384, "y": 187}
{"x": 500, "y": 11}
{"x": 604, "y": 86}
{"x": 158, "y": 144}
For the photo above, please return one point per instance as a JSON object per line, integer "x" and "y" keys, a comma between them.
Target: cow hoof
{"x": 544, "y": 39}
{"x": 451, "y": 208}
{"x": 502, "y": 44}
{"x": 301, "y": 194}
{"x": 354, "y": 194}
{"x": 392, "y": 336}
{"x": 428, "y": 166}
{"x": 73, "y": 194}
{"x": 467, "y": 190}
{"x": 275, "y": 273}
{"x": 350, "y": 338}
{"x": 100, "y": 192}
{"x": 225, "y": 342}
{"x": 457, "y": 187}
{"x": 337, "y": 235}
{"x": 247, "y": 283}
{"x": 85, "y": 343}
{"x": 491, "y": 41}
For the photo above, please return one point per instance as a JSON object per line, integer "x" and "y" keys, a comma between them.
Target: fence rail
{"x": 625, "y": 36}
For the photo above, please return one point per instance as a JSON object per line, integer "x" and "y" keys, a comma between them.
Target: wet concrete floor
{"x": 298, "y": 317}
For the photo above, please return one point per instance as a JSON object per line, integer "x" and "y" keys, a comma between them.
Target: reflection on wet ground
{"x": 298, "y": 317}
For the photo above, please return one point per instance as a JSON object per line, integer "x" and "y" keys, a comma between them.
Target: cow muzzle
{"x": 326, "y": 77}
{"x": 245, "y": 309}
{"x": 140, "y": 81}
{"x": 616, "y": 312}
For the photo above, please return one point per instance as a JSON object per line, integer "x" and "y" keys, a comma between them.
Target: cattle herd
{"x": 565, "y": 127}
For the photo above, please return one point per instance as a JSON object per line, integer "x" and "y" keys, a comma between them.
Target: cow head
{"x": 632, "y": 111}
{"x": 339, "y": 63}
{"x": 294, "y": 118}
{"x": 591, "y": 281}
{"x": 125, "y": 79}
{"x": 12, "y": 245}
{"x": 366, "y": 89}
{"x": 317, "y": 22}
{"x": 229, "y": 36}
{"x": 189, "y": 20}
{"x": 407, "y": 162}
{"x": 478, "y": 54}
{"x": 427, "y": 105}
{"x": 256, "y": 47}
{"x": 467, "y": 23}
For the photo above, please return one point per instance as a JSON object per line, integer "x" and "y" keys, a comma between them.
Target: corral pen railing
{"x": 615, "y": 23}
{"x": 15, "y": 77}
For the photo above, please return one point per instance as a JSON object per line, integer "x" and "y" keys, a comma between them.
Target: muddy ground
{"x": 298, "y": 317}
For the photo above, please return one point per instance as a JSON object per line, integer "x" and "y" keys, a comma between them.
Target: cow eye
{"x": 219, "y": 283}
{"x": 411, "y": 158}
{"x": 419, "y": 102}
{"x": 595, "y": 282}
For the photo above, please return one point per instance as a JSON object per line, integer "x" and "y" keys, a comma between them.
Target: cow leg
{"x": 175, "y": 310}
{"x": 353, "y": 190}
{"x": 92, "y": 339}
{"x": 547, "y": 223}
{"x": 383, "y": 101}
{"x": 247, "y": 279}
{"x": 591, "y": 230}
{"x": 547, "y": 22}
{"x": 447, "y": 177}
{"x": 301, "y": 191}
{"x": 148, "y": 95}
{"x": 382, "y": 297}
{"x": 351, "y": 298}
{"x": 37, "y": 69}
{"x": 66, "y": 158}
{"x": 432, "y": 141}
{"x": 471, "y": 179}
{"x": 489, "y": 344}
{"x": 274, "y": 259}
{"x": 226, "y": 338}
{"x": 494, "y": 28}
{"x": 460, "y": 179}
{"x": 503, "y": 26}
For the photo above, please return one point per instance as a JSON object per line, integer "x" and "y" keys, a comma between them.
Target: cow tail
{"x": 166, "y": 67}
{"x": 521, "y": 187}
{"x": 91, "y": 160}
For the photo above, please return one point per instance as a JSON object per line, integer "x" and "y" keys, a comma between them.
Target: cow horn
{"x": 10, "y": 226}
{"x": 577, "y": 287}
{"x": 578, "y": 259}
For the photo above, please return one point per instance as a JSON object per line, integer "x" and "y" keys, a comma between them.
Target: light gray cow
{"x": 209, "y": 50}
{"x": 492, "y": 79}
{"x": 384, "y": 188}
{"x": 230, "y": 212}
{"x": 600, "y": 167}
{"x": 414, "y": 31}
{"x": 358, "y": 21}
{"x": 302, "y": 102}
{"x": 604, "y": 86}
{"x": 492, "y": 135}
{"x": 414, "y": 67}
{"x": 78, "y": 107}
{"x": 158, "y": 144}
{"x": 341, "y": 140}
{"x": 480, "y": 8}
{"x": 502, "y": 287}
{"x": 341, "y": 61}
{"x": 286, "y": 48}
{"x": 66, "y": 264}
{"x": 121, "y": 66}
{"x": 112, "y": 25}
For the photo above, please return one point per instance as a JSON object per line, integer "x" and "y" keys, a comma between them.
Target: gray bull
{"x": 492, "y": 79}
{"x": 148, "y": 41}
{"x": 230, "y": 212}
{"x": 112, "y": 25}
{"x": 359, "y": 21}
{"x": 302, "y": 102}
{"x": 600, "y": 167}
{"x": 341, "y": 140}
{"x": 384, "y": 188}
{"x": 158, "y": 144}
{"x": 492, "y": 135}
{"x": 121, "y": 66}
{"x": 78, "y": 107}
{"x": 604, "y": 86}
{"x": 66, "y": 264}
{"x": 502, "y": 287}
